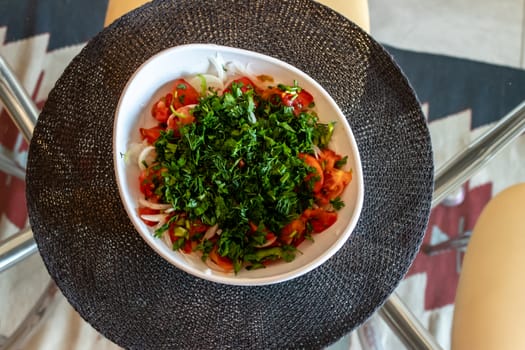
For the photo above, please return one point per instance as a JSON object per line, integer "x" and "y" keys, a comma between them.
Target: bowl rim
{"x": 230, "y": 278}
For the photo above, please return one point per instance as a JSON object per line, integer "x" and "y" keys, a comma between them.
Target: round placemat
{"x": 139, "y": 301}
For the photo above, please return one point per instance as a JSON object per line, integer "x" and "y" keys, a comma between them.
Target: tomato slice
{"x": 149, "y": 179}
{"x": 299, "y": 101}
{"x": 317, "y": 173}
{"x": 335, "y": 182}
{"x": 244, "y": 82}
{"x": 328, "y": 159}
{"x": 197, "y": 227}
{"x": 187, "y": 247}
{"x": 222, "y": 261}
{"x": 270, "y": 237}
{"x": 183, "y": 94}
{"x": 161, "y": 111}
{"x": 151, "y": 134}
{"x": 253, "y": 226}
{"x": 147, "y": 211}
{"x": 320, "y": 219}
{"x": 182, "y": 116}
{"x": 293, "y": 233}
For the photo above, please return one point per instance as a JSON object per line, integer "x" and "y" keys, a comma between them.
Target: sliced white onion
{"x": 234, "y": 68}
{"x": 157, "y": 206}
{"x": 267, "y": 243}
{"x": 219, "y": 65}
{"x": 167, "y": 239}
{"x": 264, "y": 84}
{"x": 317, "y": 151}
{"x": 154, "y": 217}
{"x": 216, "y": 267}
{"x": 147, "y": 153}
{"x": 133, "y": 152}
{"x": 210, "y": 232}
{"x": 159, "y": 225}
{"x": 212, "y": 81}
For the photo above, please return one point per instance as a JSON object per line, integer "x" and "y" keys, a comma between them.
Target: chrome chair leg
{"x": 24, "y": 114}
{"x": 9, "y": 167}
{"x": 16, "y": 101}
{"x": 406, "y": 326}
{"x": 463, "y": 166}
{"x": 16, "y": 248}
{"x": 21, "y": 245}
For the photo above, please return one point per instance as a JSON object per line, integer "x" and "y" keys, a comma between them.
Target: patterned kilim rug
{"x": 461, "y": 99}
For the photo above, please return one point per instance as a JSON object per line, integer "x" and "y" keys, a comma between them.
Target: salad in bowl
{"x": 234, "y": 166}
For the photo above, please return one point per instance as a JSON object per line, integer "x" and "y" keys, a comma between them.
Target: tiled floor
{"x": 483, "y": 30}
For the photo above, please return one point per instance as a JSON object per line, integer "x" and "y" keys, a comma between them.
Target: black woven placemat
{"x": 135, "y": 298}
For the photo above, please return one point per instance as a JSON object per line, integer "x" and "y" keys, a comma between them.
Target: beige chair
{"x": 490, "y": 301}
{"x": 356, "y": 10}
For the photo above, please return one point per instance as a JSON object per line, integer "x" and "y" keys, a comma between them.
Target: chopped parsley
{"x": 237, "y": 164}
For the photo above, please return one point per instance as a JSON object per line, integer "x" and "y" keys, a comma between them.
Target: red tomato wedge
{"x": 293, "y": 233}
{"x": 317, "y": 173}
{"x": 151, "y": 134}
{"x": 182, "y": 116}
{"x": 187, "y": 247}
{"x": 148, "y": 211}
{"x": 197, "y": 227}
{"x": 328, "y": 159}
{"x": 335, "y": 181}
{"x": 320, "y": 219}
{"x": 299, "y": 101}
{"x": 161, "y": 111}
{"x": 148, "y": 181}
{"x": 245, "y": 83}
{"x": 270, "y": 237}
{"x": 183, "y": 94}
{"x": 223, "y": 262}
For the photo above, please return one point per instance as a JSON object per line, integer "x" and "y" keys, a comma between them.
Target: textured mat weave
{"x": 132, "y": 296}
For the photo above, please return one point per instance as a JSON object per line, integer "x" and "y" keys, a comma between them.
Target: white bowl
{"x": 149, "y": 83}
